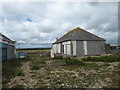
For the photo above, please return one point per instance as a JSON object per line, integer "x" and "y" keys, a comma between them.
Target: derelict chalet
{"x": 78, "y": 42}
{"x": 7, "y": 48}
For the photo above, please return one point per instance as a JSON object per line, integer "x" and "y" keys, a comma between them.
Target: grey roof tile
{"x": 79, "y": 34}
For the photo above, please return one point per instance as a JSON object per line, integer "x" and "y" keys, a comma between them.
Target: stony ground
{"x": 49, "y": 73}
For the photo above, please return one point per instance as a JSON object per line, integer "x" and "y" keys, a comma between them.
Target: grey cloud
{"x": 52, "y": 20}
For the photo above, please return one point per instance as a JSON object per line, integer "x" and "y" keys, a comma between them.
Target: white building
{"x": 78, "y": 42}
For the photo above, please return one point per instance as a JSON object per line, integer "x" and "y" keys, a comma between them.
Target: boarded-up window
{"x": 68, "y": 49}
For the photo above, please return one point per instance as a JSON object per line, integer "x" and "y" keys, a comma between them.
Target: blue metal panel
{"x": 3, "y": 45}
{"x": 4, "y": 54}
{"x": 4, "y": 51}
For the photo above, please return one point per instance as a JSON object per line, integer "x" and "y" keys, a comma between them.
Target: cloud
{"x": 42, "y": 22}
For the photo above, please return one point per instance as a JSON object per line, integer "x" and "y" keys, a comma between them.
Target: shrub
{"x": 73, "y": 61}
{"x": 68, "y": 58}
{"x": 5, "y": 81}
{"x": 111, "y": 58}
{"x": 43, "y": 62}
{"x": 20, "y": 73}
{"x": 58, "y": 57}
{"x": 18, "y": 86}
{"x": 88, "y": 59}
{"x": 34, "y": 67}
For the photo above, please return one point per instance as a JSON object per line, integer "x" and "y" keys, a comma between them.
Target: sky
{"x": 38, "y": 24}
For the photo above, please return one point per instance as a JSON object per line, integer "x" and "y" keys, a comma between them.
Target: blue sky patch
{"x": 28, "y": 19}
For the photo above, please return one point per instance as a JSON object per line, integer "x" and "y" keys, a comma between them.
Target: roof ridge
{"x": 79, "y": 34}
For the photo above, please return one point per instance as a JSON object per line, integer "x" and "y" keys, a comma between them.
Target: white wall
{"x": 0, "y": 38}
{"x": 74, "y": 47}
{"x": 59, "y": 48}
{"x": 67, "y": 47}
{"x": 56, "y": 48}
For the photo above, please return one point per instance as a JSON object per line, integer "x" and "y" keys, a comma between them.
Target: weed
{"x": 111, "y": 58}
{"x": 18, "y": 86}
{"x": 20, "y": 73}
{"x": 34, "y": 67}
{"x": 22, "y": 79}
{"x": 48, "y": 77}
{"x": 58, "y": 57}
{"x": 33, "y": 75}
{"x": 5, "y": 81}
{"x": 73, "y": 62}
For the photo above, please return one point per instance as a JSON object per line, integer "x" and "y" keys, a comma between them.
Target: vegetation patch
{"x": 18, "y": 86}
{"x": 58, "y": 57}
{"x": 75, "y": 74}
{"x": 36, "y": 64}
{"x": 10, "y": 69}
{"x": 34, "y": 67}
{"x": 111, "y": 58}
{"x": 20, "y": 73}
{"x": 70, "y": 61}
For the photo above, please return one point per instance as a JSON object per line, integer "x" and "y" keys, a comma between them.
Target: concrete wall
{"x": 53, "y": 50}
{"x": 90, "y": 48}
{"x": 96, "y": 47}
{"x": 80, "y": 48}
{"x": 107, "y": 49}
{"x": 10, "y": 52}
{"x": 0, "y": 54}
{"x": 0, "y": 48}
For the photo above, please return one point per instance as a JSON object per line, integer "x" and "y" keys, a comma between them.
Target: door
{"x": 4, "y": 54}
{"x": 4, "y": 51}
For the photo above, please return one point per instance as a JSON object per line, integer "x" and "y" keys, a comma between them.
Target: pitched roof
{"x": 79, "y": 34}
{"x": 4, "y": 38}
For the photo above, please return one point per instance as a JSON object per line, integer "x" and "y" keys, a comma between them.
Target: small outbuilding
{"x": 78, "y": 42}
{"x": 7, "y": 48}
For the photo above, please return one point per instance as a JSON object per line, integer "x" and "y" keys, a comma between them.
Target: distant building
{"x": 107, "y": 48}
{"x": 115, "y": 48}
{"x": 7, "y": 48}
{"x": 78, "y": 42}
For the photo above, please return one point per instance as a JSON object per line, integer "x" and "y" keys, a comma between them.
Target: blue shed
{"x": 7, "y": 48}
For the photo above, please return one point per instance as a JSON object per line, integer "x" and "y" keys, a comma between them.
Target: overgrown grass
{"x": 34, "y": 67}
{"x": 58, "y": 57}
{"x": 111, "y": 58}
{"x": 36, "y": 64}
{"x": 10, "y": 69}
{"x": 20, "y": 73}
{"x": 20, "y": 87}
{"x": 70, "y": 61}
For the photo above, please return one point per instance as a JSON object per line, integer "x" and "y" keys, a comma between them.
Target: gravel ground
{"x": 50, "y": 75}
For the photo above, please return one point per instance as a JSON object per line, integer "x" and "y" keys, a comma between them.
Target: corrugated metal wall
{"x": 11, "y": 51}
